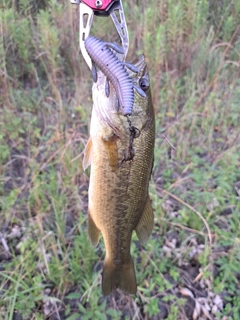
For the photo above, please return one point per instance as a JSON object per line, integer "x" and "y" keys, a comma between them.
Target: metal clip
{"x": 85, "y": 22}
{"x": 121, "y": 25}
{"x": 86, "y": 18}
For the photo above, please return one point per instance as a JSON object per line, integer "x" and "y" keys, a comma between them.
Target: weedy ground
{"x": 189, "y": 269}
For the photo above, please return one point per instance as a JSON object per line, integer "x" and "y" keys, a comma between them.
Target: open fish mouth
{"x": 107, "y": 107}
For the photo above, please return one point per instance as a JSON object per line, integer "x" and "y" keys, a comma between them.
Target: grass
{"x": 51, "y": 271}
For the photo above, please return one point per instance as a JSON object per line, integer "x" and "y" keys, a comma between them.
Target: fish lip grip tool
{"x": 88, "y": 8}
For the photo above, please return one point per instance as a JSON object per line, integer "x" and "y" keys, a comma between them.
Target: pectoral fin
{"x": 145, "y": 225}
{"x": 93, "y": 231}
{"x": 112, "y": 151}
{"x": 87, "y": 159}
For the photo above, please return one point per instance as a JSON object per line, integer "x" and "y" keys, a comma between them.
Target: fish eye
{"x": 144, "y": 84}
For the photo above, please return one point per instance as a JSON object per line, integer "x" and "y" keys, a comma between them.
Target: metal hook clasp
{"x": 86, "y": 17}
{"x": 121, "y": 25}
{"x": 85, "y": 22}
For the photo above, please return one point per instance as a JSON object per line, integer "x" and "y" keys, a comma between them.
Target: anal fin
{"x": 93, "y": 231}
{"x": 145, "y": 224}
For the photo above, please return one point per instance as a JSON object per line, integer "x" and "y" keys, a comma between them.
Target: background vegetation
{"x": 189, "y": 269}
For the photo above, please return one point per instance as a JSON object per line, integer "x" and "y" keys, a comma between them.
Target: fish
{"x": 103, "y": 56}
{"x": 120, "y": 151}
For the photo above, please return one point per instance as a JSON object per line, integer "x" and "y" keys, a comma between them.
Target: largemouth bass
{"x": 120, "y": 152}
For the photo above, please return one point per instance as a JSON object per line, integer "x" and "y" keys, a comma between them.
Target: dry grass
{"x": 47, "y": 268}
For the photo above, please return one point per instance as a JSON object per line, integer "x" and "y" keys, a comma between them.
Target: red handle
{"x": 100, "y": 5}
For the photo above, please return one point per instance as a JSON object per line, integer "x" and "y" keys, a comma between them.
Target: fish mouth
{"x": 106, "y": 107}
{"x": 139, "y": 62}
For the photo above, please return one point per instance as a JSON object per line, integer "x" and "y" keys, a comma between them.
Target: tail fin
{"x": 122, "y": 277}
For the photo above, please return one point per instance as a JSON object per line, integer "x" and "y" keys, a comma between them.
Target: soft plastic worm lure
{"x": 114, "y": 69}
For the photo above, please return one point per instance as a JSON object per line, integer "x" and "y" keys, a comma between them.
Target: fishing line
{"x": 134, "y": 133}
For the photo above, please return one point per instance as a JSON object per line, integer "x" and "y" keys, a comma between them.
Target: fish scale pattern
{"x": 118, "y": 191}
